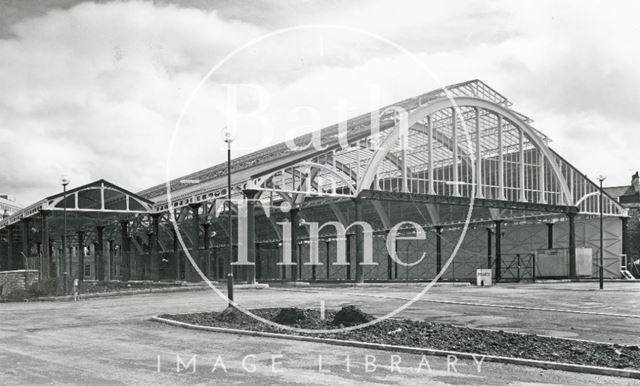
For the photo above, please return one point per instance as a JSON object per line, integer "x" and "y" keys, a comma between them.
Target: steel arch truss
{"x": 456, "y": 147}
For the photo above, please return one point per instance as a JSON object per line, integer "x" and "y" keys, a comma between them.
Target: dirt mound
{"x": 350, "y": 316}
{"x": 289, "y": 316}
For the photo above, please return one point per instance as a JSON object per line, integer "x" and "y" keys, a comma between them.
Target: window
{"x": 87, "y": 270}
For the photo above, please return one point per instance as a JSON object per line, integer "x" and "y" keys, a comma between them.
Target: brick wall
{"x": 19, "y": 279}
{"x": 633, "y": 233}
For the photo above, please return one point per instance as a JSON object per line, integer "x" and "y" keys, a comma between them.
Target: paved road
{"x": 111, "y": 341}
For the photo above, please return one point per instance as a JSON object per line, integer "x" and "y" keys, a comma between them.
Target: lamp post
{"x": 228, "y": 139}
{"x": 601, "y": 271}
{"x": 64, "y": 180}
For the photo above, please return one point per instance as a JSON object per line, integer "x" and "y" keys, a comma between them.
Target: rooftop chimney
{"x": 635, "y": 182}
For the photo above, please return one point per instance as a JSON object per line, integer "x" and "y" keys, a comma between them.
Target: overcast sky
{"x": 94, "y": 90}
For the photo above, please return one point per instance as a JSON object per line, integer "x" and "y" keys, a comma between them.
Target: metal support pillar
{"x": 454, "y": 137}
{"x": 521, "y": 171}
{"x": 403, "y": 163}
{"x": 501, "y": 195}
{"x": 430, "y": 186}
{"x": 191, "y": 275}
{"x": 541, "y": 179}
{"x": 300, "y": 261}
{"x": 124, "y": 251}
{"x": 489, "y": 248}
{"x": 99, "y": 253}
{"x": 26, "y": 243}
{"x": 293, "y": 216}
{"x": 395, "y": 263}
{"x": 207, "y": 267}
{"x": 39, "y": 259}
{"x": 146, "y": 258}
{"x": 154, "y": 255}
{"x": 328, "y": 258}
{"x": 498, "y": 264}
{"x": 64, "y": 267}
{"x": 479, "y": 192}
{"x": 438, "y": 249}
{"x": 80, "y": 274}
{"x": 70, "y": 253}
{"x": 348, "y": 256}
{"x": 389, "y": 260}
{"x": 251, "y": 194}
{"x": 52, "y": 268}
{"x": 4, "y": 256}
{"x": 111, "y": 263}
{"x": 45, "y": 260}
{"x": 572, "y": 245}
{"x": 313, "y": 272}
{"x": 10, "y": 252}
{"x": 359, "y": 236}
{"x": 176, "y": 255}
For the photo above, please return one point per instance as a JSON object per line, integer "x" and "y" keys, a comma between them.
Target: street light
{"x": 601, "y": 272}
{"x": 228, "y": 139}
{"x": 64, "y": 180}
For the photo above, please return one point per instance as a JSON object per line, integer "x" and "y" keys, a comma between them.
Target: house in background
{"x": 629, "y": 197}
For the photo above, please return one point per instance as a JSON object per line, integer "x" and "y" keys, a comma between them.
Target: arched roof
{"x": 542, "y": 169}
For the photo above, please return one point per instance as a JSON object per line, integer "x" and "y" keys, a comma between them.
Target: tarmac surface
{"x": 111, "y": 341}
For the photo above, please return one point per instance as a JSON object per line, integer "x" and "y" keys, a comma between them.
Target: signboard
{"x": 552, "y": 263}
{"x": 584, "y": 261}
{"x": 483, "y": 277}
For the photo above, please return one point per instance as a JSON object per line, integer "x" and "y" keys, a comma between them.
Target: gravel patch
{"x": 423, "y": 334}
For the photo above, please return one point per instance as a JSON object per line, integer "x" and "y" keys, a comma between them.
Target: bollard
{"x": 230, "y": 288}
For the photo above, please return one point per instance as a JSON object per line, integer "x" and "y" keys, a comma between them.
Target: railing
{"x": 517, "y": 267}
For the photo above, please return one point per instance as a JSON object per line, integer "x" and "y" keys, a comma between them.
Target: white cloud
{"x": 94, "y": 91}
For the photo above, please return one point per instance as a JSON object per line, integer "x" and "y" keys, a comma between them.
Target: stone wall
{"x": 11, "y": 281}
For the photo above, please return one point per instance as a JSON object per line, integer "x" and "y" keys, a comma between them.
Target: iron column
{"x": 228, "y": 140}
{"x": 601, "y": 271}
{"x": 99, "y": 253}
{"x": 498, "y": 264}
{"x": 438, "y": 249}
{"x": 572, "y": 246}
{"x": 154, "y": 258}
{"x": 64, "y": 181}
{"x": 359, "y": 236}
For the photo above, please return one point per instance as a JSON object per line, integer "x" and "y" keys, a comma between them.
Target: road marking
{"x": 380, "y": 296}
{"x": 510, "y": 307}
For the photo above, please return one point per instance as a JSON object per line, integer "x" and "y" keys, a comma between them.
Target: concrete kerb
{"x": 624, "y": 373}
{"x": 399, "y": 284}
{"x": 186, "y": 288}
{"x": 347, "y": 284}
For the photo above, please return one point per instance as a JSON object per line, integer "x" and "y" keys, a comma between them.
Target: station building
{"x": 461, "y": 162}
{"x": 8, "y": 206}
